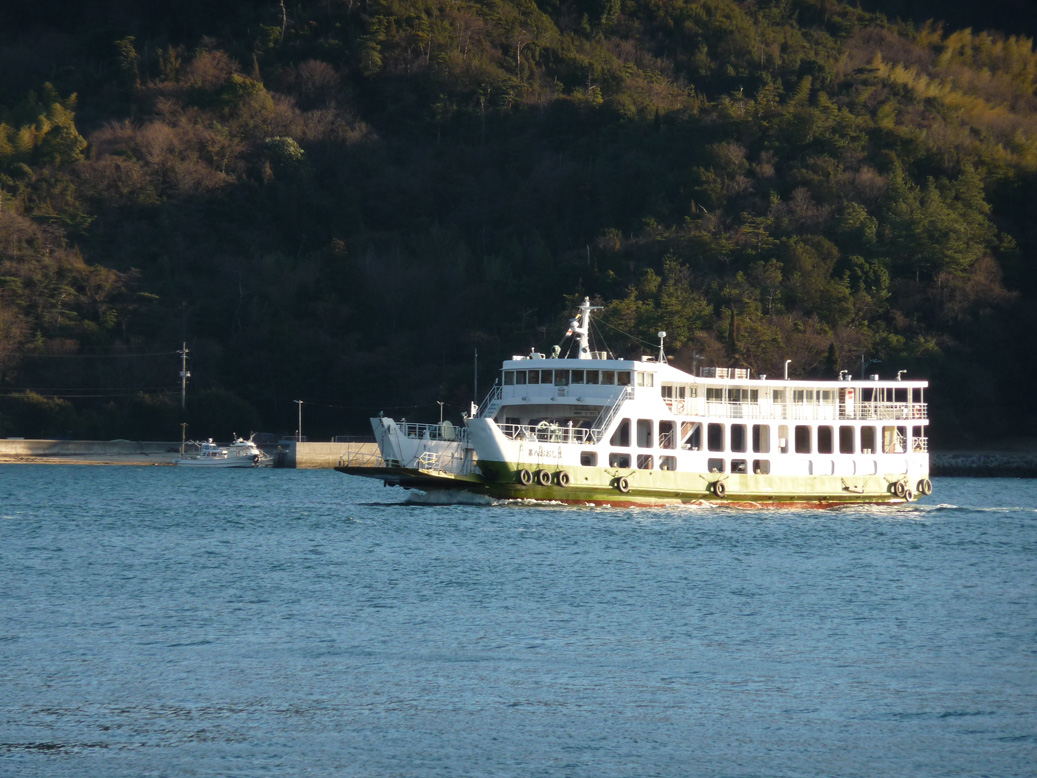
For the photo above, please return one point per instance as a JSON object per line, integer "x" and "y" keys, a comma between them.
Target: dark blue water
{"x": 165, "y": 622}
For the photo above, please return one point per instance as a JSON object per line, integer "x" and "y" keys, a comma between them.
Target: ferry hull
{"x": 596, "y": 486}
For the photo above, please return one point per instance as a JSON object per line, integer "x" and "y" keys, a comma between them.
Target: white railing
{"x": 608, "y": 413}
{"x": 493, "y": 394}
{"x": 545, "y": 432}
{"x": 866, "y": 411}
{"x": 432, "y": 432}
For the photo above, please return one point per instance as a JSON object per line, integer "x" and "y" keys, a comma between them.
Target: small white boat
{"x": 240, "y": 453}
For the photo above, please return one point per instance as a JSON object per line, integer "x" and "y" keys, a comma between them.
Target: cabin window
{"x": 608, "y": 377}
{"x": 738, "y": 437}
{"x": 646, "y": 379}
{"x": 667, "y": 436}
{"x": 738, "y": 466}
{"x": 667, "y": 391}
{"x": 715, "y": 465}
{"x": 619, "y": 460}
{"x": 640, "y": 379}
{"x": 592, "y": 377}
{"x": 825, "y": 440}
{"x": 577, "y": 376}
{"x": 561, "y": 377}
{"x": 509, "y": 377}
{"x": 846, "y": 440}
{"x": 534, "y": 376}
{"x": 520, "y": 377}
{"x": 546, "y": 376}
{"x": 691, "y": 435}
{"x": 867, "y": 440}
{"x": 918, "y": 442}
{"x": 589, "y": 458}
{"x": 761, "y": 466}
{"x": 778, "y": 396}
{"x": 644, "y": 462}
{"x": 802, "y": 439}
{"x": 644, "y": 433}
{"x": 893, "y": 440}
{"x": 621, "y": 437}
{"x": 715, "y": 394}
{"x": 761, "y": 439}
{"x": 667, "y": 463}
{"x": 715, "y": 437}
{"x": 783, "y": 438}
{"x": 623, "y": 379}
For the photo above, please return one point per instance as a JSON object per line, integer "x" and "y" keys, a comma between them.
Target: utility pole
{"x": 184, "y": 375}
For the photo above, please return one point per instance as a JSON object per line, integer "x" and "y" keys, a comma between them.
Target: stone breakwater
{"x": 984, "y": 464}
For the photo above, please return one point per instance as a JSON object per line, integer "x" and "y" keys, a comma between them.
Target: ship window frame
{"x": 691, "y": 435}
{"x": 643, "y": 432}
{"x": 761, "y": 467}
{"x": 608, "y": 377}
{"x": 761, "y": 436}
{"x": 588, "y": 459}
{"x": 561, "y": 377}
{"x": 825, "y": 439}
{"x": 533, "y": 377}
{"x": 715, "y": 465}
{"x": 869, "y": 440}
{"x": 576, "y": 377}
{"x": 521, "y": 378}
{"x": 645, "y": 462}
{"x": 593, "y": 377}
{"x": 668, "y": 434}
{"x": 509, "y": 377}
{"x": 621, "y": 434}
{"x": 624, "y": 378}
{"x": 847, "y": 439}
{"x": 738, "y": 436}
{"x": 803, "y": 439}
{"x": 547, "y": 377}
{"x": 620, "y": 459}
{"x": 740, "y": 466}
{"x": 713, "y": 443}
{"x": 668, "y": 463}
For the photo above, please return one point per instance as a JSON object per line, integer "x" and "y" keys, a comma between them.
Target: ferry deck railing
{"x": 860, "y": 411}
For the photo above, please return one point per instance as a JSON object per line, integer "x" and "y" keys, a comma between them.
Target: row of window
{"x": 622, "y": 459}
{"x": 740, "y": 438}
{"x": 577, "y": 377}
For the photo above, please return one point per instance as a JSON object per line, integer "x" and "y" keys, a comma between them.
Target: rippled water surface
{"x": 165, "y": 622}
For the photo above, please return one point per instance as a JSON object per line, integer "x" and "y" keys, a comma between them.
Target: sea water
{"x": 156, "y": 621}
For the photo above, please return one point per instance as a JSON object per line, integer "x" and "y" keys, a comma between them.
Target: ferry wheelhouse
{"x": 595, "y": 429}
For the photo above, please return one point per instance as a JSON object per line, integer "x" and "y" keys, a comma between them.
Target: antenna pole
{"x": 184, "y": 375}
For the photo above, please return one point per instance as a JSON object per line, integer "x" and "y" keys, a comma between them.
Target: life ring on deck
{"x": 680, "y": 406}
{"x": 563, "y": 478}
{"x": 525, "y": 477}
{"x": 719, "y": 489}
{"x": 623, "y": 485}
{"x": 925, "y": 487}
{"x": 543, "y": 478}
{"x": 899, "y": 489}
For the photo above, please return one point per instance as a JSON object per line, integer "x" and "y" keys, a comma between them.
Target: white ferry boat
{"x": 590, "y": 428}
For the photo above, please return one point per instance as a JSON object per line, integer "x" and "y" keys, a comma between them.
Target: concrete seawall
{"x": 151, "y": 452}
{"x": 306, "y": 455}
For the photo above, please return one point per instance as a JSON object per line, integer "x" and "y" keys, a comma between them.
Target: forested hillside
{"x": 342, "y": 201}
